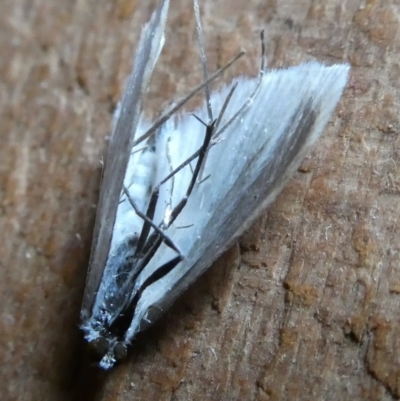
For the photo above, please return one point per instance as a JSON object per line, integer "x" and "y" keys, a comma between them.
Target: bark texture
{"x": 305, "y": 307}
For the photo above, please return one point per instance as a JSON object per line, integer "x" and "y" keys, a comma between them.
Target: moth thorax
{"x": 102, "y": 349}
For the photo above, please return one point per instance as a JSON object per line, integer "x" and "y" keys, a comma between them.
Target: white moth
{"x": 172, "y": 203}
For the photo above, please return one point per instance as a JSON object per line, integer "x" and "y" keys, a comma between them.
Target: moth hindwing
{"x": 192, "y": 184}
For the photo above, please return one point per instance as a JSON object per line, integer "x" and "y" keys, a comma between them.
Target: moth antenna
{"x": 165, "y": 116}
{"x": 203, "y": 57}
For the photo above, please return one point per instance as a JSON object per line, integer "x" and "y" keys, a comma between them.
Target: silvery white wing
{"x": 245, "y": 169}
{"x": 264, "y": 134}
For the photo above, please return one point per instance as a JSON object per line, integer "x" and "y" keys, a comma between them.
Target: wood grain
{"x": 305, "y": 307}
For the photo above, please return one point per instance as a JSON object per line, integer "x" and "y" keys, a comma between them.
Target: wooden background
{"x": 305, "y": 307}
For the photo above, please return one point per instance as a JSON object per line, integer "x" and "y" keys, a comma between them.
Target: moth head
{"x": 107, "y": 351}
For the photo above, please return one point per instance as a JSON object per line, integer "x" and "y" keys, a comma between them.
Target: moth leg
{"x": 201, "y": 154}
{"x": 203, "y": 151}
{"x": 150, "y": 223}
{"x": 145, "y": 243}
{"x": 157, "y": 274}
{"x": 215, "y": 124}
{"x": 153, "y": 241}
{"x": 148, "y": 244}
{"x": 179, "y": 103}
{"x": 250, "y": 99}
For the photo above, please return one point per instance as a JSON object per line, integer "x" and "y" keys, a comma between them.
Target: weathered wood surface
{"x": 306, "y": 307}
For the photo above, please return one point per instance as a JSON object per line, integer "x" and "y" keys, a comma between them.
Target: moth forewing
{"x": 247, "y": 169}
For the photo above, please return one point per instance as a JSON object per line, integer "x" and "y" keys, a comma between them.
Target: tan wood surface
{"x": 305, "y": 307}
